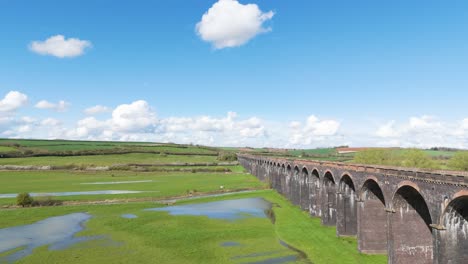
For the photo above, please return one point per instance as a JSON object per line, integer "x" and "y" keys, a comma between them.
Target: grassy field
{"x": 157, "y": 237}
{"x": 108, "y": 160}
{"x": 162, "y": 184}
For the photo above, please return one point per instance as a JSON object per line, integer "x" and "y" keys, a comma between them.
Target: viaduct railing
{"x": 414, "y": 216}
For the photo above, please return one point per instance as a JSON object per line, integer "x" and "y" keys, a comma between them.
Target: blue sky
{"x": 367, "y": 72}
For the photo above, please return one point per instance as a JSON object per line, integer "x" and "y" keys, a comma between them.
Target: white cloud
{"x": 137, "y": 116}
{"x": 229, "y": 23}
{"x": 61, "y": 106}
{"x": 60, "y": 47}
{"x": 51, "y": 122}
{"x": 12, "y": 101}
{"x": 97, "y": 109}
{"x": 314, "y": 129}
{"x": 423, "y": 123}
{"x": 387, "y": 130}
{"x": 424, "y": 132}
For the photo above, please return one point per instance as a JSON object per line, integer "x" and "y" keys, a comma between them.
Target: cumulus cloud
{"x": 12, "y": 101}
{"x": 61, "y": 106}
{"x": 97, "y": 109}
{"x": 60, "y": 47}
{"x": 387, "y": 130}
{"x": 136, "y": 116}
{"x": 424, "y": 132}
{"x": 226, "y": 131}
{"x": 51, "y": 122}
{"x": 314, "y": 129}
{"x": 229, "y": 23}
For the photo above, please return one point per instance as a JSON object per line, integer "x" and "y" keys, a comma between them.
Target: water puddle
{"x": 228, "y": 209}
{"x": 114, "y": 182}
{"x": 129, "y": 216}
{"x": 230, "y": 244}
{"x": 203, "y": 196}
{"x": 57, "y": 232}
{"x": 13, "y": 195}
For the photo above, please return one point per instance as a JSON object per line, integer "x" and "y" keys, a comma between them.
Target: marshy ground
{"x": 141, "y": 226}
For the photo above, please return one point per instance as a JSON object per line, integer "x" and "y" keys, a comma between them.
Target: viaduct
{"x": 414, "y": 216}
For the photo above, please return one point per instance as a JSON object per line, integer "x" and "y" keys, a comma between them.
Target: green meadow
{"x": 158, "y": 237}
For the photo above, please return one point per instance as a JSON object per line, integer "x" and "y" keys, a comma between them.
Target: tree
{"x": 416, "y": 158}
{"x": 24, "y": 199}
{"x": 459, "y": 161}
{"x": 375, "y": 157}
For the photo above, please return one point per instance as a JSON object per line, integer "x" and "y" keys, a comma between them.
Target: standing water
{"x": 57, "y": 232}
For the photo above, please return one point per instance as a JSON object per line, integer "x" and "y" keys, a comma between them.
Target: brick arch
{"x": 296, "y": 168}
{"x": 328, "y": 199}
{"x": 458, "y": 194}
{"x": 348, "y": 175}
{"x": 454, "y": 239}
{"x": 314, "y": 190}
{"x": 346, "y": 220}
{"x": 314, "y": 171}
{"x": 411, "y": 234}
{"x": 401, "y": 185}
{"x": 305, "y": 189}
{"x": 295, "y": 185}
{"x": 329, "y": 172}
{"x": 372, "y": 226}
{"x": 361, "y": 189}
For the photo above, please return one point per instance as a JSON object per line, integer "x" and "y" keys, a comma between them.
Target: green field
{"x": 108, "y": 160}
{"x": 157, "y": 237}
{"x": 162, "y": 184}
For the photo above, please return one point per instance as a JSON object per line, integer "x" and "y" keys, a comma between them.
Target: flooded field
{"x": 228, "y": 209}
{"x": 57, "y": 232}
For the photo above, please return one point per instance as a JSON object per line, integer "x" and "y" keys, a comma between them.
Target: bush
{"x": 227, "y": 156}
{"x": 376, "y": 157}
{"x": 46, "y": 201}
{"x": 413, "y": 158}
{"x": 416, "y": 158}
{"x": 24, "y": 199}
{"x": 459, "y": 161}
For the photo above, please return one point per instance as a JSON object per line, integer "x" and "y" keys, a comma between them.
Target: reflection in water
{"x": 229, "y": 209}
{"x": 129, "y": 216}
{"x": 230, "y": 244}
{"x": 58, "y": 232}
{"x": 13, "y": 195}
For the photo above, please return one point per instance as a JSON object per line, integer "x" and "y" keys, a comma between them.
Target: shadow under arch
{"x": 372, "y": 218}
{"x": 410, "y": 237}
{"x": 305, "y": 189}
{"x": 454, "y": 238}
{"x": 328, "y": 200}
{"x": 346, "y": 222}
{"x": 314, "y": 191}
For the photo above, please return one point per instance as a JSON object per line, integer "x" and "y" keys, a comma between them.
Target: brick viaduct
{"x": 413, "y": 216}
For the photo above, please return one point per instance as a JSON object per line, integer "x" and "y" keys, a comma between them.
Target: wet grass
{"x": 157, "y": 237}
{"x": 163, "y": 184}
